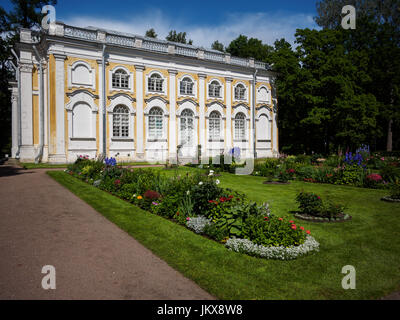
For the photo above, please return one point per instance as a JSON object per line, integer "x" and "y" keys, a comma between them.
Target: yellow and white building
{"x": 89, "y": 91}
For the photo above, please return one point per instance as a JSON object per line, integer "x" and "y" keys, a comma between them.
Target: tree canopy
{"x": 178, "y": 37}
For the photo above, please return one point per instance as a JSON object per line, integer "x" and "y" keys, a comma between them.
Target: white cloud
{"x": 263, "y": 25}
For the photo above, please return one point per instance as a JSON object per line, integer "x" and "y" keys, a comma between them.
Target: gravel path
{"x": 42, "y": 223}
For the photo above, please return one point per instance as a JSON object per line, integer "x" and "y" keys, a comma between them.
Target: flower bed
{"x": 199, "y": 203}
{"x": 314, "y": 209}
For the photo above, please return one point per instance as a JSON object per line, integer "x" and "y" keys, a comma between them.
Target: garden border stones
{"x": 305, "y": 217}
{"x": 389, "y": 199}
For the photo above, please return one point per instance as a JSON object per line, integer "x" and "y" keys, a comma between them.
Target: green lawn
{"x": 370, "y": 242}
{"x": 42, "y": 165}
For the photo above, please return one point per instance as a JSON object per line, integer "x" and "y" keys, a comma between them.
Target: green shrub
{"x": 309, "y": 203}
{"x": 271, "y": 231}
{"x": 395, "y": 190}
{"x": 390, "y": 173}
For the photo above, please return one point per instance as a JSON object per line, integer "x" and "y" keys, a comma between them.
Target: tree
{"x": 246, "y": 48}
{"x": 178, "y": 37}
{"x": 377, "y": 35}
{"x": 216, "y": 45}
{"x": 151, "y": 33}
{"x": 24, "y": 14}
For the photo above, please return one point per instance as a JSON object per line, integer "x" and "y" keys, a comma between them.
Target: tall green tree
{"x": 377, "y": 36}
{"x": 216, "y": 45}
{"x": 253, "y": 47}
{"x": 151, "y": 33}
{"x": 178, "y": 37}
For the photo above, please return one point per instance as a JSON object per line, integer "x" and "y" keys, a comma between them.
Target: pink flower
{"x": 293, "y": 227}
{"x": 291, "y": 221}
{"x": 187, "y": 219}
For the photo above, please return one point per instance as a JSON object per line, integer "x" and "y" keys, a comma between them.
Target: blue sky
{"x": 204, "y": 20}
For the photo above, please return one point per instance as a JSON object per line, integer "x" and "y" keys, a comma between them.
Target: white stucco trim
{"x": 222, "y": 91}
{"x": 215, "y": 107}
{"x": 164, "y": 84}
{"x": 268, "y": 96}
{"x": 158, "y": 102}
{"x": 246, "y": 94}
{"x": 87, "y": 98}
{"x": 194, "y": 95}
{"x": 188, "y": 104}
{"x": 92, "y": 72}
{"x": 110, "y": 73}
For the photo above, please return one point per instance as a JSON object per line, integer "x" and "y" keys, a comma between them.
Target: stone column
{"x": 14, "y": 118}
{"x": 252, "y": 122}
{"x": 139, "y": 112}
{"x": 202, "y": 115}
{"x": 27, "y": 152}
{"x": 172, "y": 143}
{"x": 228, "y": 129}
{"x": 45, "y": 157}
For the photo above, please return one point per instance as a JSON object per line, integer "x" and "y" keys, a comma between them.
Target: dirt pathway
{"x": 42, "y": 223}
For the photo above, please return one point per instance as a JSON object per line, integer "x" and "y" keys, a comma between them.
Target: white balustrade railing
{"x": 80, "y": 33}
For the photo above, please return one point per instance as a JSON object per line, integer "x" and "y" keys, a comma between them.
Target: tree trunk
{"x": 389, "y": 141}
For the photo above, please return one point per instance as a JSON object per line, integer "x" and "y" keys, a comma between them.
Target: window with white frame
{"x": 186, "y": 86}
{"x": 121, "y": 121}
{"x": 187, "y": 127}
{"x": 240, "y": 126}
{"x": 214, "y": 89}
{"x": 214, "y": 128}
{"x": 156, "y": 123}
{"x": 155, "y": 83}
{"x": 120, "y": 79}
{"x": 240, "y": 92}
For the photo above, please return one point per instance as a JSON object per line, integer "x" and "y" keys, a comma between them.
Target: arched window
{"x": 81, "y": 121}
{"x": 240, "y": 92}
{"x": 214, "y": 128}
{"x": 156, "y": 123}
{"x": 120, "y": 79}
{"x": 262, "y": 94}
{"x": 155, "y": 83}
{"x": 240, "y": 126}
{"x": 187, "y": 127}
{"x": 186, "y": 86}
{"x": 121, "y": 121}
{"x": 214, "y": 89}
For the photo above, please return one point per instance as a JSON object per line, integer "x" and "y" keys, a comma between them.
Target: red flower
{"x": 302, "y": 228}
{"x": 308, "y": 231}
{"x": 280, "y": 219}
{"x": 293, "y": 227}
{"x": 210, "y": 201}
{"x": 291, "y": 221}
{"x": 318, "y": 197}
{"x": 265, "y": 218}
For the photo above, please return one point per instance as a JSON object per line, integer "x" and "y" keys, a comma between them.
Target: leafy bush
{"x": 390, "y": 173}
{"x": 309, "y": 203}
{"x": 395, "y": 190}
{"x": 271, "y": 231}
{"x": 373, "y": 180}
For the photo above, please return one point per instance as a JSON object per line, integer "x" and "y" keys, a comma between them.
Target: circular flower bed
{"x": 281, "y": 253}
{"x": 389, "y": 199}
{"x": 341, "y": 217}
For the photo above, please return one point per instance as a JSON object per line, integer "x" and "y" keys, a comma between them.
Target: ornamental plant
{"x": 373, "y": 180}
{"x": 309, "y": 203}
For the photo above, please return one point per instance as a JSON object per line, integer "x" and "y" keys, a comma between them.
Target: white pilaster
{"x": 60, "y": 155}
{"x": 45, "y": 113}
{"x": 252, "y": 130}
{"x": 139, "y": 112}
{"x": 101, "y": 101}
{"x": 228, "y": 113}
{"x": 172, "y": 115}
{"x": 202, "y": 116}
{"x": 27, "y": 149}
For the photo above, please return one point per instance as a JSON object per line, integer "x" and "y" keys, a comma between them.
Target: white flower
{"x": 211, "y": 171}
{"x": 200, "y": 183}
{"x": 217, "y": 181}
{"x": 210, "y": 174}
{"x": 187, "y": 192}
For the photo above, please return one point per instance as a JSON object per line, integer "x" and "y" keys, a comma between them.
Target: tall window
{"x": 186, "y": 86}
{"x": 187, "y": 127}
{"x": 155, "y": 83}
{"x": 240, "y": 126}
{"x": 120, "y": 79}
{"x": 121, "y": 121}
{"x": 214, "y": 89}
{"x": 214, "y": 125}
{"x": 240, "y": 92}
{"x": 156, "y": 123}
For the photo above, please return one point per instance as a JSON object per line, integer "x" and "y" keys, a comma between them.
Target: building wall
{"x": 74, "y": 87}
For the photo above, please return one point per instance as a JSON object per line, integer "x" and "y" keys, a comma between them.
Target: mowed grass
{"x": 370, "y": 243}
